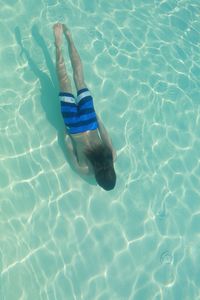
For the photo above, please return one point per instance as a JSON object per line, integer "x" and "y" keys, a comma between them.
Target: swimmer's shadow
{"x": 49, "y": 90}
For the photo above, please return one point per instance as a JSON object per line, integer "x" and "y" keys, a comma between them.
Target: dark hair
{"x": 101, "y": 158}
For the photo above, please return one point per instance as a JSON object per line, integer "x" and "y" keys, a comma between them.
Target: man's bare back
{"x": 77, "y": 143}
{"x": 80, "y": 142}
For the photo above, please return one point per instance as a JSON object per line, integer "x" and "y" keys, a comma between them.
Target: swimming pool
{"x": 62, "y": 237}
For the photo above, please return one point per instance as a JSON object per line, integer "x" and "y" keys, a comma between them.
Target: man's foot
{"x": 66, "y": 31}
{"x": 58, "y": 29}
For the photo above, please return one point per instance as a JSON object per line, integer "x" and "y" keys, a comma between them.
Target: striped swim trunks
{"x": 78, "y": 114}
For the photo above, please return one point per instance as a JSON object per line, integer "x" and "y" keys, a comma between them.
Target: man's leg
{"x": 64, "y": 81}
{"x": 75, "y": 61}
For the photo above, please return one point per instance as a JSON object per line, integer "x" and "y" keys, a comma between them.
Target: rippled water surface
{"x": 61, "y": 236}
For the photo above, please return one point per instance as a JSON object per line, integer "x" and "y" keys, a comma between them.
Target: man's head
{"x": 101, "y": 158}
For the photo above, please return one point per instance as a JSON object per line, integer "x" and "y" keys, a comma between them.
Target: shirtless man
{"x": 89, "y": 146}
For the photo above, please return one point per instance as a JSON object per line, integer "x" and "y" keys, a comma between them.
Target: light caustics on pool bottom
{"x": 62, "y": 237}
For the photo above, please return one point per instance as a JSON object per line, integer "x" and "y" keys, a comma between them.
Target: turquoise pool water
{"x": 62, "y": 237}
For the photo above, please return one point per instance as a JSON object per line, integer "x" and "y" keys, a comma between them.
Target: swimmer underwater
{"x": 87, "y": 141}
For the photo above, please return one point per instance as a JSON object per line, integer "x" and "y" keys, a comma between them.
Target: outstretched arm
{"x": 105, "y": 137}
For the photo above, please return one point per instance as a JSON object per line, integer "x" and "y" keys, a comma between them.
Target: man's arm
{"x": 72, "y": 157}
{"x": 105, "y": 137}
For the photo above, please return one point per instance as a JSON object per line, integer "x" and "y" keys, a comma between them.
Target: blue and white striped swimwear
{"x": 78, "y": 117}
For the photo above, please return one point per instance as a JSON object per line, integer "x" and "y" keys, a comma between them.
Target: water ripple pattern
{"x": 62, "y": 237}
